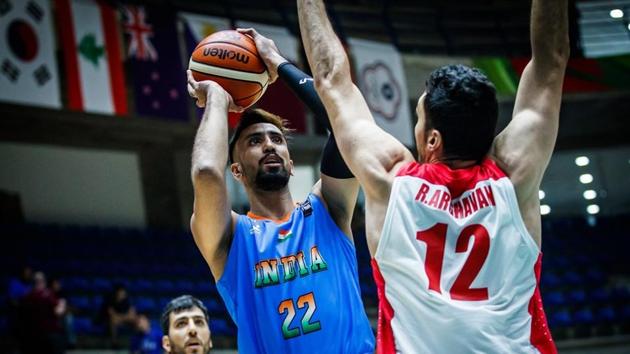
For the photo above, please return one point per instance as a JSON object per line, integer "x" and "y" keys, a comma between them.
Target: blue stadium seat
{"x": 206, "y": 287}
{"x": 145, "y": 286}
{"x": 554, "y": 299}
{"x": 595, "y": 277}
{"x": 185, "y": 286}
{"x": 560, "y": 319}
{"x": 162, "y": 301}
{"x": 77, "y": 284}
{"x": 577, "y": 297}
{"x": 101, "y": 285}
{"x": 221, "y": 327}
{"x": 97, "y": 301}
{"x": 83, "y": 325}
{"x": 4, "y": 325}
{"x": 573, "y": 279}
{"x": 164, "y": 286}
{"x": 599, "y": 296}
{"x": 146, "y": 305}
{"x": 550, "y": 280}
{"x": 215, "y": 307}
{"x": 621, "y": 294}
{"x": 82, "y": 303}
{"x": 606, "y": 315}
{"x": 625, "y": 313}
{"x": 584, "y": 317}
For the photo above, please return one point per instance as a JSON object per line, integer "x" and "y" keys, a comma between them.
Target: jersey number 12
{"x": 435, "y": 238}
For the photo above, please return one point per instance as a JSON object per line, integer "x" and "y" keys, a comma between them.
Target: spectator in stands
{"x": 20, "y": 286}
{"x": 117, "y": 313}
{"x": 67, "y": 320}
{"x": 147, "y": 339}
{"x": 17, "y": 288}
{"x": 40, "y": 313}
{"x": 185, "y": 326}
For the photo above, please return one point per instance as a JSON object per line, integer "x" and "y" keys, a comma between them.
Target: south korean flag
{"x": 28, "y": 68}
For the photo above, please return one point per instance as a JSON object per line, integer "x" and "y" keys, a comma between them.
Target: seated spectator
{"x": 147, "y": 339}
{"x": 17, "y": 288}
{"x": 40, "y": 313}
{"x": 185, "y": 326}
{"x": 117, "y": 314}
{"x": 67, "y": 320}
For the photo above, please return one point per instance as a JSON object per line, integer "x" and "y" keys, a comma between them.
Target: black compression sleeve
{"x": 302, "y": 85}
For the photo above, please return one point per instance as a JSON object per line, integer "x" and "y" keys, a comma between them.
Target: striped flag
{"x": 92, "y": 55}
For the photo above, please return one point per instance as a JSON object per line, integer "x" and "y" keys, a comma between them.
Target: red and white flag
{"x": 92, "y": 53}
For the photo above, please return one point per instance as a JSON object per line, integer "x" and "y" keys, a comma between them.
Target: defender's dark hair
{"x": 255, "y": 116}
{"x": 179, "y": 304}
{"x": 461, "y": 103}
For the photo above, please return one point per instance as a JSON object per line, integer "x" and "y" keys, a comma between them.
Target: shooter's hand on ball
{"x": 267, "y": 50}
{"x": 204, "y": 91}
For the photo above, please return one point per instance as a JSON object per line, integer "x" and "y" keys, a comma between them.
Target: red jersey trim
{"x": 456, "y": 180}
{"x": 384, "y": 334}
{"x": 540, "y": 336}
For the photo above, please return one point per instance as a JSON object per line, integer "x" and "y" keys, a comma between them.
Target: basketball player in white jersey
{"x": 455, "y": 236}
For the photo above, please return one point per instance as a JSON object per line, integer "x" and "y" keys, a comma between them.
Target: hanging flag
{"x": 28, "y": 69}
{"x": 159, "y": 80}
{"x": 93, "y": 61}
{"x": 381, "y": 79}
{"x": 279, "y": 99}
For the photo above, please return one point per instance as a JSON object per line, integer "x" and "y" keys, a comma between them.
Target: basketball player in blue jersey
{"x": 287, "y": 272}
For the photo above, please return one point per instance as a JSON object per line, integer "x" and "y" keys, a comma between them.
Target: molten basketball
{"x": 230, "y": 59}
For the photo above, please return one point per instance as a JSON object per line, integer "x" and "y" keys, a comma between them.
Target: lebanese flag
{"x": 92, "y": 54}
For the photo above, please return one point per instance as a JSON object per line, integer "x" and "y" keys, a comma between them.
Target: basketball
{"x": 230, "y": 59}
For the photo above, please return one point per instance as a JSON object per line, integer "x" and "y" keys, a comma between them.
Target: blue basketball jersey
{"x": 292, "y": 286}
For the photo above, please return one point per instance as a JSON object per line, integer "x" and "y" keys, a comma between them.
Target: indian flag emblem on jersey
{"x": 283, "y": 235}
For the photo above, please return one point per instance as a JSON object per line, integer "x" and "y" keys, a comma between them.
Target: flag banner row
{"x": 130, "y": 60}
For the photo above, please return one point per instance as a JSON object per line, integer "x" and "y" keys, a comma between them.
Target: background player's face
{"x": 263, "y": 157}
{"x": 188, "y": 333}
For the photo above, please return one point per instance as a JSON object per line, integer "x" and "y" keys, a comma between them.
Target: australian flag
{"x": 159, "y": 81}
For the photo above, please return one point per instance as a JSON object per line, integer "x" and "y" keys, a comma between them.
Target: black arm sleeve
{"x": 302, "y": 85}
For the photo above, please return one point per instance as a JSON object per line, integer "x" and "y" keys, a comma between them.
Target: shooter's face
{"x": 262, "y": 158}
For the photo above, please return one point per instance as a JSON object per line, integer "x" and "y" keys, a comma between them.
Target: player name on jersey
{"x": 268, "y": 271}
{"x": 470, "y": 202}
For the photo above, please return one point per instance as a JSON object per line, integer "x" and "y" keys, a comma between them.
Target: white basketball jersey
{"x": 455, "y": 267}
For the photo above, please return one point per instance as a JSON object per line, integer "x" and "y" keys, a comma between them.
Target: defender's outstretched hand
{"x": 267, "y": 50}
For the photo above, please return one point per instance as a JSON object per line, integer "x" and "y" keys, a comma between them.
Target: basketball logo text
{"x": 226, "y": 54}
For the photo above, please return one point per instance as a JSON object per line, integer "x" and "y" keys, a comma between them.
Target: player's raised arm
{"x": 372, "y": 154}
{"x": 524, "y": 148}
{"x": 212, "y": 220}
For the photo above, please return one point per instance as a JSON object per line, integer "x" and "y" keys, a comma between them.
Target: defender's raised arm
{"x": 524, "y": 148}
{"x": 371, "y": 153}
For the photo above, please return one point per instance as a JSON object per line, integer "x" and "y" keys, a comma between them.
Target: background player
{"x": 185, "y": 326}
{"x": 457, "y": 236}
{"x": 287, "y": 273}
